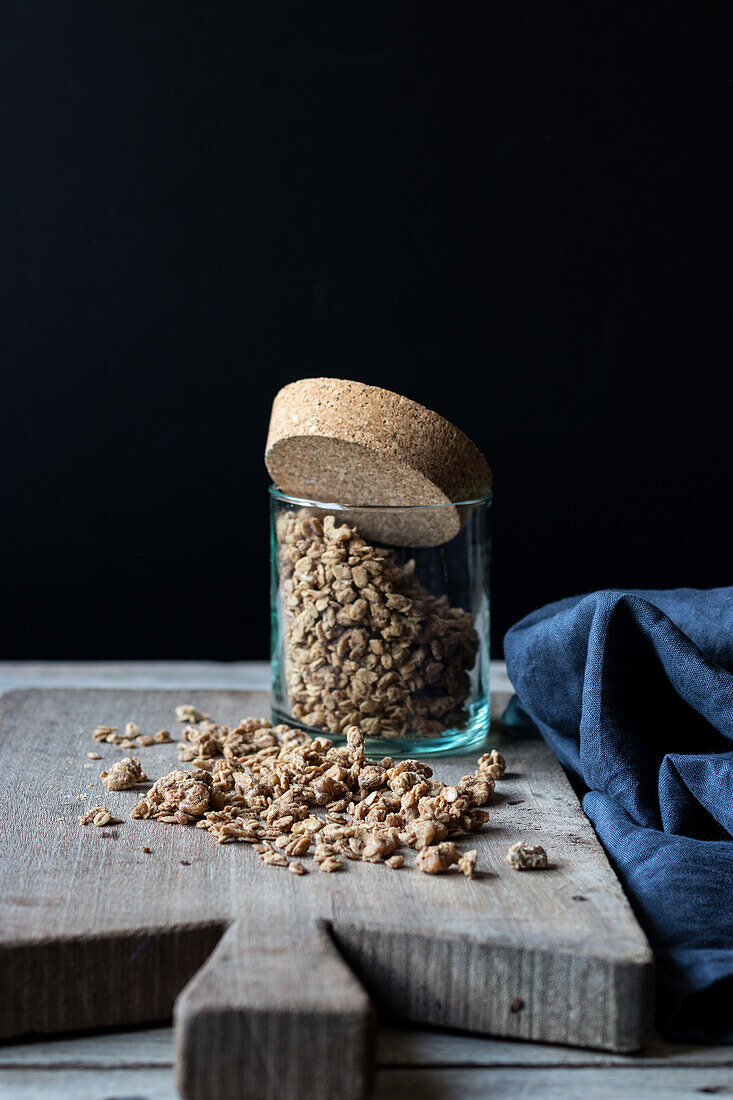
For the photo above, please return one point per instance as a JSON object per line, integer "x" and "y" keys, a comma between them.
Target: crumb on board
{"x": 467, "y": 863}
{"x": 131, "y": 738}
{"x": 437, "y": 858}
{"x": 123, "y": 774}
{"x": 188, "y": 713}
{"x": 526, "y": 857}
{"x": 492, "y": 764}
{"x": 98, "y": 815}
{"x": 291, "y": 795}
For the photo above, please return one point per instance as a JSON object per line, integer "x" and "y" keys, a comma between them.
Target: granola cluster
{"x": 131, "y": 737}
{"x": 292, "y": 796}
{"x": 123, "y": 775}
{"x": 178, "y": 798}
{"x": 98, "y": 815}
{"x": 365, "y": 642}
{"x": 526, "y": 857}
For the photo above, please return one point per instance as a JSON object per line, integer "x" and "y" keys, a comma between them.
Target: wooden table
{"x": 435, "y": 1065}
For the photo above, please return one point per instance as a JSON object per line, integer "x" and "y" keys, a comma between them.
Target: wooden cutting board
{"x": 274, "y": 979}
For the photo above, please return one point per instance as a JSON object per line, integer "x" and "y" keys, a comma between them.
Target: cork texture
{"x": 348, "y": 443}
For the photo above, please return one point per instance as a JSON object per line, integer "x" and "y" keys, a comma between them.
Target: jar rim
{"x": 302, "y": 502}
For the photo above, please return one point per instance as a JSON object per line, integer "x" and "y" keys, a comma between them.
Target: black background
{"x": 514, "y": 214}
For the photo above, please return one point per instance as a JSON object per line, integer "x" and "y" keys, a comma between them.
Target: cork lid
{"x": 348, "y": 443}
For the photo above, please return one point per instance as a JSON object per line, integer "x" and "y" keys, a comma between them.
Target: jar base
{"x": 473, "y": 734}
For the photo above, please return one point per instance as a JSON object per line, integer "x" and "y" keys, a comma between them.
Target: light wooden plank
{"x": 236, "y": 675}
{"x": 69, "y": 1084}
{"x": 403, "y": 1047}
{"x": 396, "y": 1048}
{"x": 412, "y": 1047}
{"x": 555, "y": 1084}
{"x": 275, "y": 1014}
{"x": 138, "y": 1048}
{"x": 507, "y": 954}
{"x": 429, "y": 1084}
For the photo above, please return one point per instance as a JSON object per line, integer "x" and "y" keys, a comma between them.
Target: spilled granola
{"x": 437, "y": 858}
{"x": 131, "y": 737}
{"x": 178, "y": 798}
{"x": 293, "y": 796}
{"x": 492, "y": 764}
{"x": 467, "y": 863}
{"x": 526, "y": 857}
{"x": 98, "y": 815}
{"x": 124, "y": 774}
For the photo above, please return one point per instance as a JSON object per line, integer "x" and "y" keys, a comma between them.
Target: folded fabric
{"x": 634, "y": 692}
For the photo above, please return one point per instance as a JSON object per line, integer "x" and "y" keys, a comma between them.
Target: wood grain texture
{"x": 278, "y": 1008}
{"x": 562, "y": 1084}
{"x": 72, "y": 1084}
{"x": 413, "y": 1047}
{"x": 444, "y": 1083}
{"x": 450, "y": 951}
{"x": 234, "y": 675}
{"x": 396, "y": 1047}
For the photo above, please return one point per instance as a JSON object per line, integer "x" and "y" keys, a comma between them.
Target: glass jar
{"x": 365, "y": 631}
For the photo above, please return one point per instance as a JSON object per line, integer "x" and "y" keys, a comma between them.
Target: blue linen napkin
{"x": 634, "y": 693}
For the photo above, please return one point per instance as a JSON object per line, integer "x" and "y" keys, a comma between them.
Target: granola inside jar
{"x": 366, "y": 631}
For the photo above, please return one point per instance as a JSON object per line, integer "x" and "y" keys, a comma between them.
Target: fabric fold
{"x": 633, "y": 690}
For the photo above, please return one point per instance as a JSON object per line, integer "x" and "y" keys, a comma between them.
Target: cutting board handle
{"x": 276, "y": 1013}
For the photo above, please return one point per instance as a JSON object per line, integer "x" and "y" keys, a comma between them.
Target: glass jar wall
{"x": 366, "y": 631}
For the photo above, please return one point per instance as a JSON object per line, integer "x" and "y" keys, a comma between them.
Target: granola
{"x": 467, "y": 863}
{"x": 123, "y": 775}
{"x": 526, "y": 857}
{"x": 330, "y": 864}
{"x": 437, "y": 858}
{"x": 365, "y": 643}
{"x": 293, "y": 796}
{"x": 177, "y": 798}
{"x": 112, "y": 737}
{"x": 98, "y": 815}
{"x": 188, "y": 713}
{"x": 492, "y": 764}
{"x": 101, "y": 733}
{"x": 131, "y": 737}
